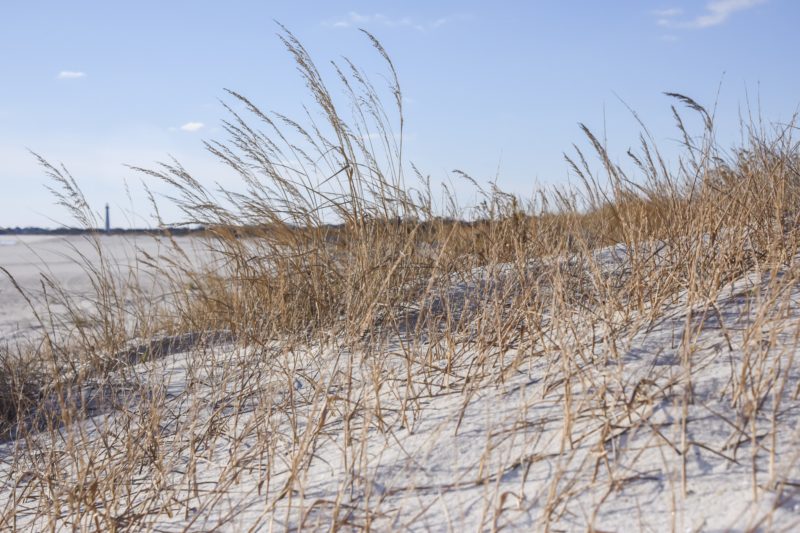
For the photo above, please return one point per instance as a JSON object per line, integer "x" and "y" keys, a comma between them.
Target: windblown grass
{"x": 339, "y": 300}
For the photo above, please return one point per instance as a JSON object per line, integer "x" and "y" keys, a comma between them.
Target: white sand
{"x": 31, "y": 259}
{"x": 498, "y": 455}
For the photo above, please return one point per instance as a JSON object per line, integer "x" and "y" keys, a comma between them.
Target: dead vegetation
{"x": 355, "y": 324}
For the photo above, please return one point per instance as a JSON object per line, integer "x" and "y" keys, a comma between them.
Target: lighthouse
{"x": 108, "y": 221}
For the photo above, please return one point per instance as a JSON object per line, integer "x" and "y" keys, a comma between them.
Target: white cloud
{"x": 668, "y": 13}
{"x": 716, "y": 12}
{"x": 70, "y": 75}
{"x": 665, "y": 17}
{"x": 719, "y": 11}
{"x": 192, "y": 126}
{"x": 355, "y": 19}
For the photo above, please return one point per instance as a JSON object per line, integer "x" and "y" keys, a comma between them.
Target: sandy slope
{"x": 508, "y": 451}
{"x": 497, "y": 456}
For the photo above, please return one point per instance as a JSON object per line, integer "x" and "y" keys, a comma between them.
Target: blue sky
{"x": 492, "y": 88}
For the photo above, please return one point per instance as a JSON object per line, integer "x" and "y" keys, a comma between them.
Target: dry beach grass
{"x": 610, "y": 356}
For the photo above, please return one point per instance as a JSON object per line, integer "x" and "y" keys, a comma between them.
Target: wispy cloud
{"x": 192, "y": 126}
{"x": 666, "y": 17}
{"x": 716, "y": 12}
{"x": 355, "y": 19}
{"x": 70, "y": 75}
{"x": 719, "y": 11}
{"x": 668, "y": 13}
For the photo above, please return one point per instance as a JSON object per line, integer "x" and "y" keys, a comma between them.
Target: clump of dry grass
{"x": 337, "y": 303}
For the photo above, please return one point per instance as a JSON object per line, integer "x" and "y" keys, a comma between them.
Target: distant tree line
{"x": 31, "y": 230}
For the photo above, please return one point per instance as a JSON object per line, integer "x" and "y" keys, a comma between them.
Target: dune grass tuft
{"x": 335, "y": 301}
